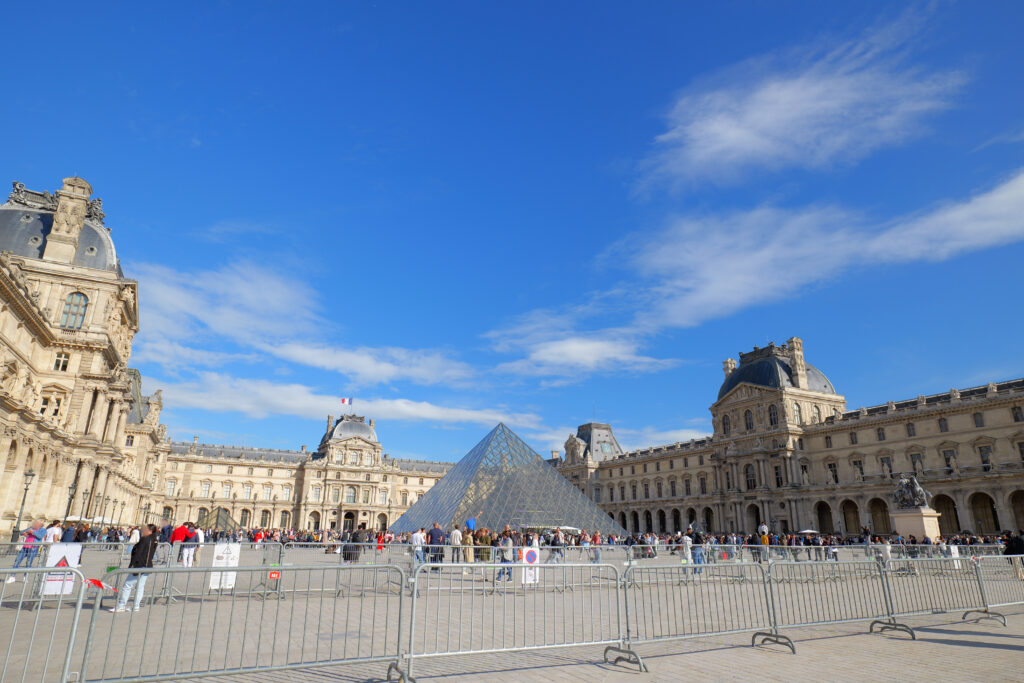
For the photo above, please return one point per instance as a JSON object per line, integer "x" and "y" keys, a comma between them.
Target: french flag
{"x": 347, "y": 401}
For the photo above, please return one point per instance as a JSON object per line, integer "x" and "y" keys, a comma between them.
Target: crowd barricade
{"x": 928, "y": 586}
{"x": 686, "y": 601}
{"x": 39, "y": 618}
{"x": 473, "y": 608}
{"x": 815, "y": 593}
{"x": 1001, "y": 580}
{"x": 245, "y": 620}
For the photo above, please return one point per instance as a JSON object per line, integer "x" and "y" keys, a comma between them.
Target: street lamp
{"x": 81, "y": 513}
{"x": 71, "y": 498}
{"x": 123, "y": 503}
{"x": 17, "y": 525}
{"x": 103, "y": 508}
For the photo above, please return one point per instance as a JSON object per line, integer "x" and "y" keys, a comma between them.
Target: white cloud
{"x": 206, "y": 318}
{"x": 811, "y": 107}
{"x": 576, "y": 356}
{"x": 635, "y": 439}
{"x": 260, "y": 398}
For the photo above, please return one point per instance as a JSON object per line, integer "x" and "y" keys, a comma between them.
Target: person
{"x": 687, "y": 547}
{"x": 435, "y": 539}
{"x": 1015, "y": 548}
{"x": 595, "y": 540}
{"x": 135, "y": 535}
{"x": 419, "y": 539}
{"x": 31, "y": 538}
{"x": 69, "y": 534}
{"x": 557, "y": 544}
{"x": 455, "y": 541}
{"x": 166, "y": 531}
{"x": 504, "y": 557}
{"x": 141, "y": 558}
{"x": 53, "y": 532}
{"x": 188, "y": 544}
{"x": 696, "y": 548}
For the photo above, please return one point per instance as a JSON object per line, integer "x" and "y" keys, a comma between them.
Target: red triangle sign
{"x": 63, "y": 562}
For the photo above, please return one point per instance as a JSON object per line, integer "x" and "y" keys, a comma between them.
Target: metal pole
{"x": 21, "y": 510}
{"x": 81, "y": 513}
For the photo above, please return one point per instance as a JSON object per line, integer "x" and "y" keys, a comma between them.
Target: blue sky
{"x": 542, "y": 213}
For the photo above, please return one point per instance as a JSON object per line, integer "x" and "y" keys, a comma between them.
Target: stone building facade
{"x": 71, "y": 411}
{"x": 346, "y": 483}
{"x": 785, "y": 450}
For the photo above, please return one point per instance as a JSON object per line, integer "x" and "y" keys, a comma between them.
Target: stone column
{"x": 99, "y": 416}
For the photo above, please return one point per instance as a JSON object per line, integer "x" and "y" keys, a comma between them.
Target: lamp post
{"x": 121, "y": 514}
{"x": 17, "y": 525}
{"x": 145, "y": 514}
{"x": 81, "y": 513}
{"x": 103, "y": 508}
{"x": 71, "y": 498}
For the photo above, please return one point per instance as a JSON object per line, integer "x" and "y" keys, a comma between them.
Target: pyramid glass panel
{"x": 504, "y": 481}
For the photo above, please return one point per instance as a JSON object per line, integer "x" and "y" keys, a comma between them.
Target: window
{"x": 751, "y": 477}
{"x": 337, "y": 475}
{"x": 728, "y": 480}
{"x": 74, "y": 311}
{"x": 985, "y": 453}
{"x": 859, "y": 466}
{"x": 686, "y": 463}
{"x": 268, "y": 490}
{"x": 671, "y": 464}
{"x": 61, "y": 362}
{"x": 170, "y": 487}
{"x": 657, "y": 467}
{"x": 209, "y": 468}
{"x": 886, "y": 466}
{"x": 405, "y": 498}
{"x": 174, "y": 466}
{"x": 226, "y": 491}
{"x": 247, "y": 491}
{"x": 315, "y": 494}
{"x": 778, "y": 476}
{"x": 405, "y": 480}
{"x": 350, "y": 494}
{"x": 645, "y": 468}
{"x": 597, "y": 494}
{"x": 385, "y": 478}
{"x": 287, "y": 492}
{"x": 611, "y": 494}
{"x": 51, "y": 405}
{"x": 943, "y": 425}
{"x": 979, "y": 420}
{"x": 129, "y": 440}
{"x": 833, "y": 472}
{"x": 231, "y": 470}
{"x": 634, "y": 491}
{"x": 911, "y": 429}
{"x": 803, "y": 472}
{"x": 726, "y": 425}
{"x": 632, "y": 469}
{"x": 797, "y": 417}
{"x": 382, "y": 497}
{"x": 700, "y": 459}
{"x": 828, "y": 442}
{"x": 367, "y": 476}
{"x": 917, "y": 462}
{"x": 1018, "y": 413}
{"x": 672, "y": 484}
{"x": 748, "y": 420}
{"x": 421, "y": 481}
{"x": 205, "y": 488}
{"x": 647, "y": 490}
{"x": 817, "y": 414}
{"x": 773, "y": 415}
{"x": 703, "y": 485}
{"x": 658, "y": 487}
{"x": 881, "y": 433}
{"x": 1020, "y": 449}
{"x": 270, "y": 473}
{"x": 249, "y": 472}
{"x": 366, "y": 496}
{"x": 853, "y": 438}
{"x": 949, "y": 457}
{"x": 622, "y": 492}
{"x": 686, "y": 486}
{"x": 800, "y": 443}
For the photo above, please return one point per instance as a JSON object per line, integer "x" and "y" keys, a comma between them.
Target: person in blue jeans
{"x": 505, "y": 557}
{"x": 698, "y": 550}
{"x": 32, "y": 538}
{"x": 142, "y": 558}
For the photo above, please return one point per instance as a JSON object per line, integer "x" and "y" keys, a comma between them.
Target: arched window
{"x": 751, "y": 477}
{"x": 748, "y": 420}
{"x": 350, "y": 494}
{"x": 797, "y": 416}
{"x": 773, "y": 415}
{"x": 943, "y": 425}
{"x": 817, "y": 414}
{"x": 74, "y": 311}
{"x": 383, "y": 498}
{"x": 285, "y": 519}
{"x": 726, "y": 425}
{"x": 265, "y": 518}
{"x": 405, "y": 498}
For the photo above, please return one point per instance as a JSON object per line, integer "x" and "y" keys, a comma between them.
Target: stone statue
{"x": 909, "y": 494}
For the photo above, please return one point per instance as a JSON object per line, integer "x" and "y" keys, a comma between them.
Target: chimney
{"x": 372, "y": 422}
{"x": 330, "y": 422}
{"x": 796, "y": 356}
{"x": 729, "y": 365}
{"x": 68, "y": 220}
{"x": 195, "y": 439}
{"x": 554, "y": 455}
{"x": 303, "y": 448}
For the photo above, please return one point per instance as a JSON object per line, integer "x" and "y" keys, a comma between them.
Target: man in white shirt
{"x": 455, "y": 541}
{"x": 419, "y": 539}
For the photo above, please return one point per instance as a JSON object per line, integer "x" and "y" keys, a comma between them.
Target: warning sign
{"x": 531, "y": 558}
{"x": 274, "y": 575}
{"x": 61, "y": 555}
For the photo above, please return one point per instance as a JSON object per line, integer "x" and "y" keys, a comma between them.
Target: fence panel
{"x": 932, "y": 586}
{"x": 203, "y": 621}
{"x": 1002, "y": 580}
{"x": 39, "y": 615}
{"x": 476, "y": 607}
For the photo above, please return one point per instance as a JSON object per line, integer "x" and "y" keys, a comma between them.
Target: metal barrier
{"x": 39, "y": 616}
{"x": 1001, "y": 580}
{"x": 466, "y": 608}
{"x": 932, "y": 586}
{"x": 814, "y": 593}
{"x": 224, "y": 623}
{"x": 673, "y": 603}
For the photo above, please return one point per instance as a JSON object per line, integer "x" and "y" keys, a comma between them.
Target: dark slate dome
{"x": 774, "y": 372}
{"x": 353, "y": 425}
{"x": 23, "y": 231}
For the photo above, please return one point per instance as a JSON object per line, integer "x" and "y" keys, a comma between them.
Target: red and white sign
{"x": 531, "y": 558}
{"x": 273, "y": 576}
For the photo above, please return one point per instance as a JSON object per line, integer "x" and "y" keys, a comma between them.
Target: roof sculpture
{"x": 504, "y": 481}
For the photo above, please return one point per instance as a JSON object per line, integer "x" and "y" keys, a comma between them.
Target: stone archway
{"x": 677, "y": 520}
{"x": 851, "y": 517}
{"x": 691, "y": 516}
{"x": 622, "y": 520}
{"x": 1017, "y": 505}
{"x": 753, "y": 517}
{"x": 349, "y": 521}
{"x": 382, "y": 522}
{"x": 949, "y": 519}
{"x": 661, "y": 521}
{"x": 823, "y": 513}
{"x": 636, "y": 522}
{"x": 881, "y": 523}
{"x": 648, "y": 522}
{"x": 709, "y": 520}
{"x": 983, "y": 510}
{"x": 313, "y": 522}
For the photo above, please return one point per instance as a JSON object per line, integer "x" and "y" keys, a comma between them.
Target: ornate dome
{"x": 348, "y": 426}
{"x": 774, "y": 372}
{"x": 24, "y": 232}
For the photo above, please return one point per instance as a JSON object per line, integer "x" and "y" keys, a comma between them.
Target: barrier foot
{"x": 625, "y": 655}
{"x": 985, "y": 614}
{"x": 778, "y": 639}
{"x": 394, "y": 667}
{"x": 892, "y": 626}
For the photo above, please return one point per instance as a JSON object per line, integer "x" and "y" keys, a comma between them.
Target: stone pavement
{"x": 945, "y": 648}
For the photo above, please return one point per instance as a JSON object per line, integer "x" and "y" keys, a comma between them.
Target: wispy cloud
{"x": 634, "y": 439}
{"x": 261, "y": 398}
{"x": 1005, "y": 139}
{"x": 809, "y": 107}
{"x": 577, "y": 356}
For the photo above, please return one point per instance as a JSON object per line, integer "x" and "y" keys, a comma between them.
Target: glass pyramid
{"x": 504, "y": 481}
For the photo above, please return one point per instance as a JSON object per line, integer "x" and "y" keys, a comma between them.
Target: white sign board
{"x": 531, "y": 558}
{"x": 224, "y": 555}
{"x": 61, "y": 555}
